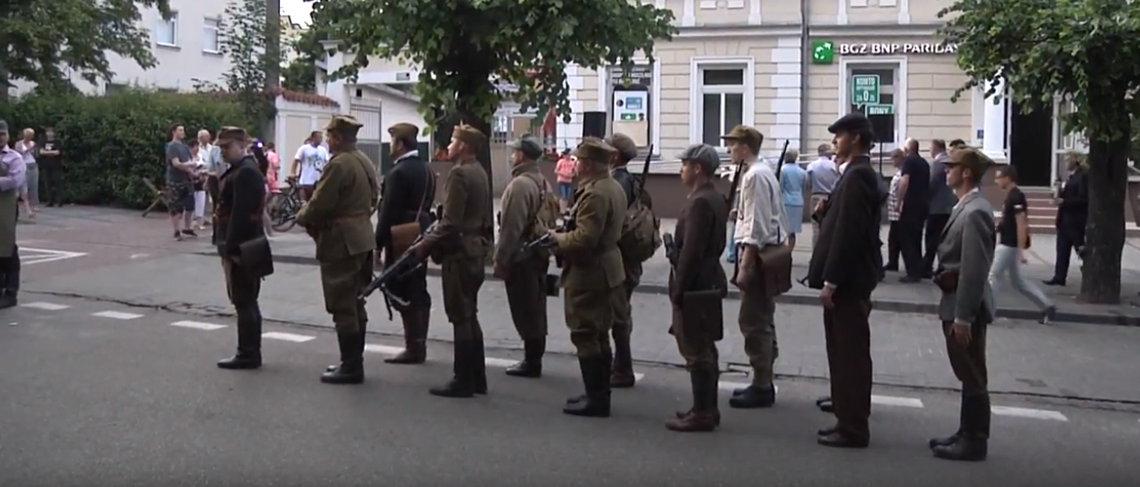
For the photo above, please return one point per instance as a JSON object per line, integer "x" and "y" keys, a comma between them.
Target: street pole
{"x": 805, "y": 65}
{"x": 273, "y": 67}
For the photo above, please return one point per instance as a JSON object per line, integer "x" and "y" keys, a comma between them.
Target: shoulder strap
{"x": 429, "y": 184}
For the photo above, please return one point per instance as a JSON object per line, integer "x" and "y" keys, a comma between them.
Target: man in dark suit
{"x": 409, "y": 190}
{"x": 1072, "y": 217}
{"x": 845, "y": 267}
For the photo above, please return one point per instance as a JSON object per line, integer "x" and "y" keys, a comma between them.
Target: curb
{"x": 897, "y": 306}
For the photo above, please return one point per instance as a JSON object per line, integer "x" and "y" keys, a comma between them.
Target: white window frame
{"x": 605, "y": 102}
{"x": 212, "y": 26}
{"x": 697, "y": 91}
{"x": 901, "y": 93}
{"x": 173, "y": 30}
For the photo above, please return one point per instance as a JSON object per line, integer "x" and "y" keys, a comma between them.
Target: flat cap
{"x": 852, "y": 122}
{"x": 344, "y": 123}
{"x": 970, "y": 158}
{"x": 469, "y": 135}
{"x": 231, "y": 134}
{"x": 745, "y": 134}
{"x": 595, "y": 149}
{"x": 625, "y": 146}
{"x": 528, "y": 145}
{"x": 404, "y": 130}
{"x": 702, "y": 154}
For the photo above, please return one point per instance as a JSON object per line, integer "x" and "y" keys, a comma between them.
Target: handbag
{"x": 775, "y": 265}
{"x": 256, "y": 257}
{"x": 404, "y": 234}
{"x": 947, "y": 281}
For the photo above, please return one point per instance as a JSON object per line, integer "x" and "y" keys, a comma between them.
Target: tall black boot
{"x": 479, "y": 368}
{"x": 461, "y": 384}
{"x": 351, "y": 368}
{"x": 531, "y": 364}
{"x": 249, "y": 340}
{"x": 364, "y": 338}
{"x": 597, "y": 384}
{"x": 973, "y": 442}
{"x": 621, "y": 373}
{"x": 416, "y": 321}
{"x": 11, "y": 281}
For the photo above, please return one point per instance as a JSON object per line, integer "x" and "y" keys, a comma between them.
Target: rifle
{"x": 780, "y": 163}
{"x": 403, "y": 266}
{"x": 640, "y": 183}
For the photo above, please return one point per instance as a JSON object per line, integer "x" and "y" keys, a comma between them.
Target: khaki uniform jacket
{"x": 340, "y": 210}
{"x": 519, "y": 207}
{"x": 593, "y": 261}
{"x": 466, "y": 228}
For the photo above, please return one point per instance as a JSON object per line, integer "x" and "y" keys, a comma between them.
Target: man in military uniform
{"x": 409, "y": 190}
{"x": 621, "y": 375}
{"x": 525, "y": 279}
{"x": 12, "y": 173}
{"x": 697, "y": 286}
{"x": 592, "y": 273}
{"x": 338, "y": 216}
{"x": 237, "y": 220}
{"x": 460, "y": 244}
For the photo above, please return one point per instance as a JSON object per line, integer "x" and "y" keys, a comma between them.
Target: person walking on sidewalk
{"x": 845, "y": 266}
{"x": 1013, "y": 240}
{"x": 11, "y": 180}
{"x": 966, "y": 256}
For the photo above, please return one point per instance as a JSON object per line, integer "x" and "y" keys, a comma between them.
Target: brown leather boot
{"x": 415, "y": 337}
{"x": 704, "y": 416}
{"x": 621, "y": 370}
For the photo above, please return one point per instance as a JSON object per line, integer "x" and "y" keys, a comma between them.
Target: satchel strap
{"x": 429, "y": 186}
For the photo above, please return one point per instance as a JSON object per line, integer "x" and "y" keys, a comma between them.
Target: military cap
{"x": 231, "y": 134}
{"x": 3, "y": 126}
{"x": 595, "y": 149}
{"x": 702, "y": 154}
{"x": 469, "y": 135}
{"x": 404, "y": 131}
{"x": 344, "y": 124}
{"x": 855, "y": 122}
{"x": 745, "y": 134}
{"x": 528, "y": 145}
{"x": 625, "y": 146}
{"x": 970, "y": 158}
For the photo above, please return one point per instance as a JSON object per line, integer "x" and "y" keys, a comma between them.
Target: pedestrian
{"x": 241, "y": 190}
{"x": 405, "y": 213}
{"x": 914, "y": 198}
{"x": 210, "y": 159}
{"x": 199, "y": 181}
{"x": 51, "y": 164}
{"x": 309, "y": 163}
{"x": 564, "y": 170}
{"x": 894, "y": 213}
{"x": 460, "y": 244}
{"x": 30, "y": 193}
{"x": 942, "y": 200}
{"x": 593, "y": 274}
{"x": 761, "y": 222}
{"x": 845, "y": 267}
{"x": 529, "y": 209}
{"x": 11, "y": 180}
{"x": 1072, "y": 200}
{"x": 822, "y": 175}
{"x": 967, "y": 308}
{"x": 179, "y": 183}
{"x": 697, "y": 287}
{"x": 621, "y": 371}
{"x": 793, "y": 179}
{"x": 338, "y": 217}
{"x": 1013, "y": 241}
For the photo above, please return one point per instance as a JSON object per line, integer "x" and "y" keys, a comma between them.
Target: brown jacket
{"x": 700, "y": 241}
{"x": 593, "y": 262}
{"x": 520, "y": 204}
{"x": 466, "y": 227}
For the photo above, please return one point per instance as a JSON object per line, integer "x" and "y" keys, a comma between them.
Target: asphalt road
{"x": 95, "y": 395}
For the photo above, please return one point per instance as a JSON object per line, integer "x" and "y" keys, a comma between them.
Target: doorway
{"x": 1030, "y": 145}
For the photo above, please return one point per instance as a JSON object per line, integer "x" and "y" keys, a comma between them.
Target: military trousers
{"x": 696, "y": 345}
{"x": 623, "y": 312}
{"x": 968, "y": 361}
{"x": 757, "y": 322}
{"x": 590, "y": 316}
{"x": 847, "y": 333}
{"x": 10, "y": 272}
{"x": 526, "y": 297}
{"x": 341, "y": 281}
{"x": 242, "y": 289}
{"x": 462, "y": 278}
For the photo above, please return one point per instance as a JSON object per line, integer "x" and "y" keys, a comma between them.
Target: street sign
{"x": 865, "y": 89}
{"x": 880, "y": 110}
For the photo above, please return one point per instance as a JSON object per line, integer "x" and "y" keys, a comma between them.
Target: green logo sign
{"x": 865, "y": 89}
{"x": 822, "y": 51}
{"x": 880, "y": 110}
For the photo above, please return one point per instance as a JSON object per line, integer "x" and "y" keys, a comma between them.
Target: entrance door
{"x": 1063, "y": 140}
{"x": 1028, "y": 150}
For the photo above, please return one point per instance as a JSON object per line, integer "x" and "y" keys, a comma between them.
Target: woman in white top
{"x": 308, "y": 164}
{"x": 30, "y": 192}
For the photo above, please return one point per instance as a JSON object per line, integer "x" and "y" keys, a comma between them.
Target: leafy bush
{"x": 111, "y": 143}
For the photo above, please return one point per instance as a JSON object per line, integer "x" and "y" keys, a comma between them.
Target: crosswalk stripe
{"x": 45, "y": 306}
{"x": 906, "y": 402}
{"x": 197, "y": 325}
{"x": 1028, "y": 413}
{"x": 117, "y": 315}
{"x": 287, "y": 337}
{"x": 383, "y": 349}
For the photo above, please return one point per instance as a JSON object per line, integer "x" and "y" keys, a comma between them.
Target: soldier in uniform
{"x": 697, "y": 315}
{"x": 593, "y": 274}
{"x": 526, "y": 279}
{"x": 12, "y": 172}
{"x": 621, "y": 375}
{"x": 409, "y": 190}
{"x": 338, "y": 216}
{"x": 461, "y": 243}
{"x": 237, "y": 219}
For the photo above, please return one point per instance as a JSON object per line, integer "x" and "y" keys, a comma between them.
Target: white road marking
{"x": 637, "y": 376}
{"x": 46, "y": 306}
{"x": 500, "y": 362}
{"x": 117, "y": 315}
{"x": 39, "y": 256}
{"x": 384, "y": 349}
{"x": 732, "y": 386}
{"x": 288, "y": 337}
{"x": 197, "y": 325}
{"x": 139, "y": 256}
{"x": 1028, "y": 413}
{"x": 906, "y": 402}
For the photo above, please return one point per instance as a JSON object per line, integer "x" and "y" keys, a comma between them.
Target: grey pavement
{"x": 127, "y": 399}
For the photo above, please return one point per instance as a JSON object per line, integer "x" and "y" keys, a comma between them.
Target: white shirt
{"x": 26, "y": 150}
{"x": 313, "y": 160}
{"x": 760, "y": 217}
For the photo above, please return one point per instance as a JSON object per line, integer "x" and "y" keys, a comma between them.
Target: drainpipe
{"x": 805, "y": 65}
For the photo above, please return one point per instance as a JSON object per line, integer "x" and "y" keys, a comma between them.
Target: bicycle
{"x": 284, "y": 206}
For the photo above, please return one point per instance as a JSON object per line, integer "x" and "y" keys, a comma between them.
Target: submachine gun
{"x": 402, "y": 267}
{"x": 545, "y": 242}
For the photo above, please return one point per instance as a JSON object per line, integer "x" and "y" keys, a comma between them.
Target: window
{"x": 884, "y": 124}
{"x": 210, "y": 29}
{"x": 722, "y": 102}
{"x": 166, "y": 31}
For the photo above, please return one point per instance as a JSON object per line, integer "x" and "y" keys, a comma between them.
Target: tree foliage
{"x": 1082, "y": 51}
{"x": 244, "y": 40}
{"x": 42, "y": 40}
{"x": 300, "y": 74}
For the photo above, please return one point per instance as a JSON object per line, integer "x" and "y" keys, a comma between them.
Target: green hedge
{"x": 112, "y": 142}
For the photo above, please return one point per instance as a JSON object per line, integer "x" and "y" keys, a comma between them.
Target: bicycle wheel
{"x": 282, "y": 212}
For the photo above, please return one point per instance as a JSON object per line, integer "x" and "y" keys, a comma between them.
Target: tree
{"x": 40, "y": 40}
{"x": 244, "y": 40}
{"x": 1079, "y": 51}
{"x": 462, "y": 47}
{"x": 300, "y": 74}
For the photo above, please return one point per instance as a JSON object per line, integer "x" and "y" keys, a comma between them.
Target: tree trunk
{"x": 1104, "y": 236}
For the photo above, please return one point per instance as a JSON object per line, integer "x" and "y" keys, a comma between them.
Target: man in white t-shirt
{"x": 309, "y": 162}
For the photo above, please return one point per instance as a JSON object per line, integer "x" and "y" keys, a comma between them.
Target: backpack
{"x": 641, "y": 231}
{"x": 548, "y": 211}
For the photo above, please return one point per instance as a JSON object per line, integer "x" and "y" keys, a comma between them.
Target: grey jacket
{"x": 967, "y": 245}
{"x": 942, "y": 198}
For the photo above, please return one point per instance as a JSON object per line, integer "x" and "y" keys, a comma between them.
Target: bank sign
{"x": 824, "y": 51}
